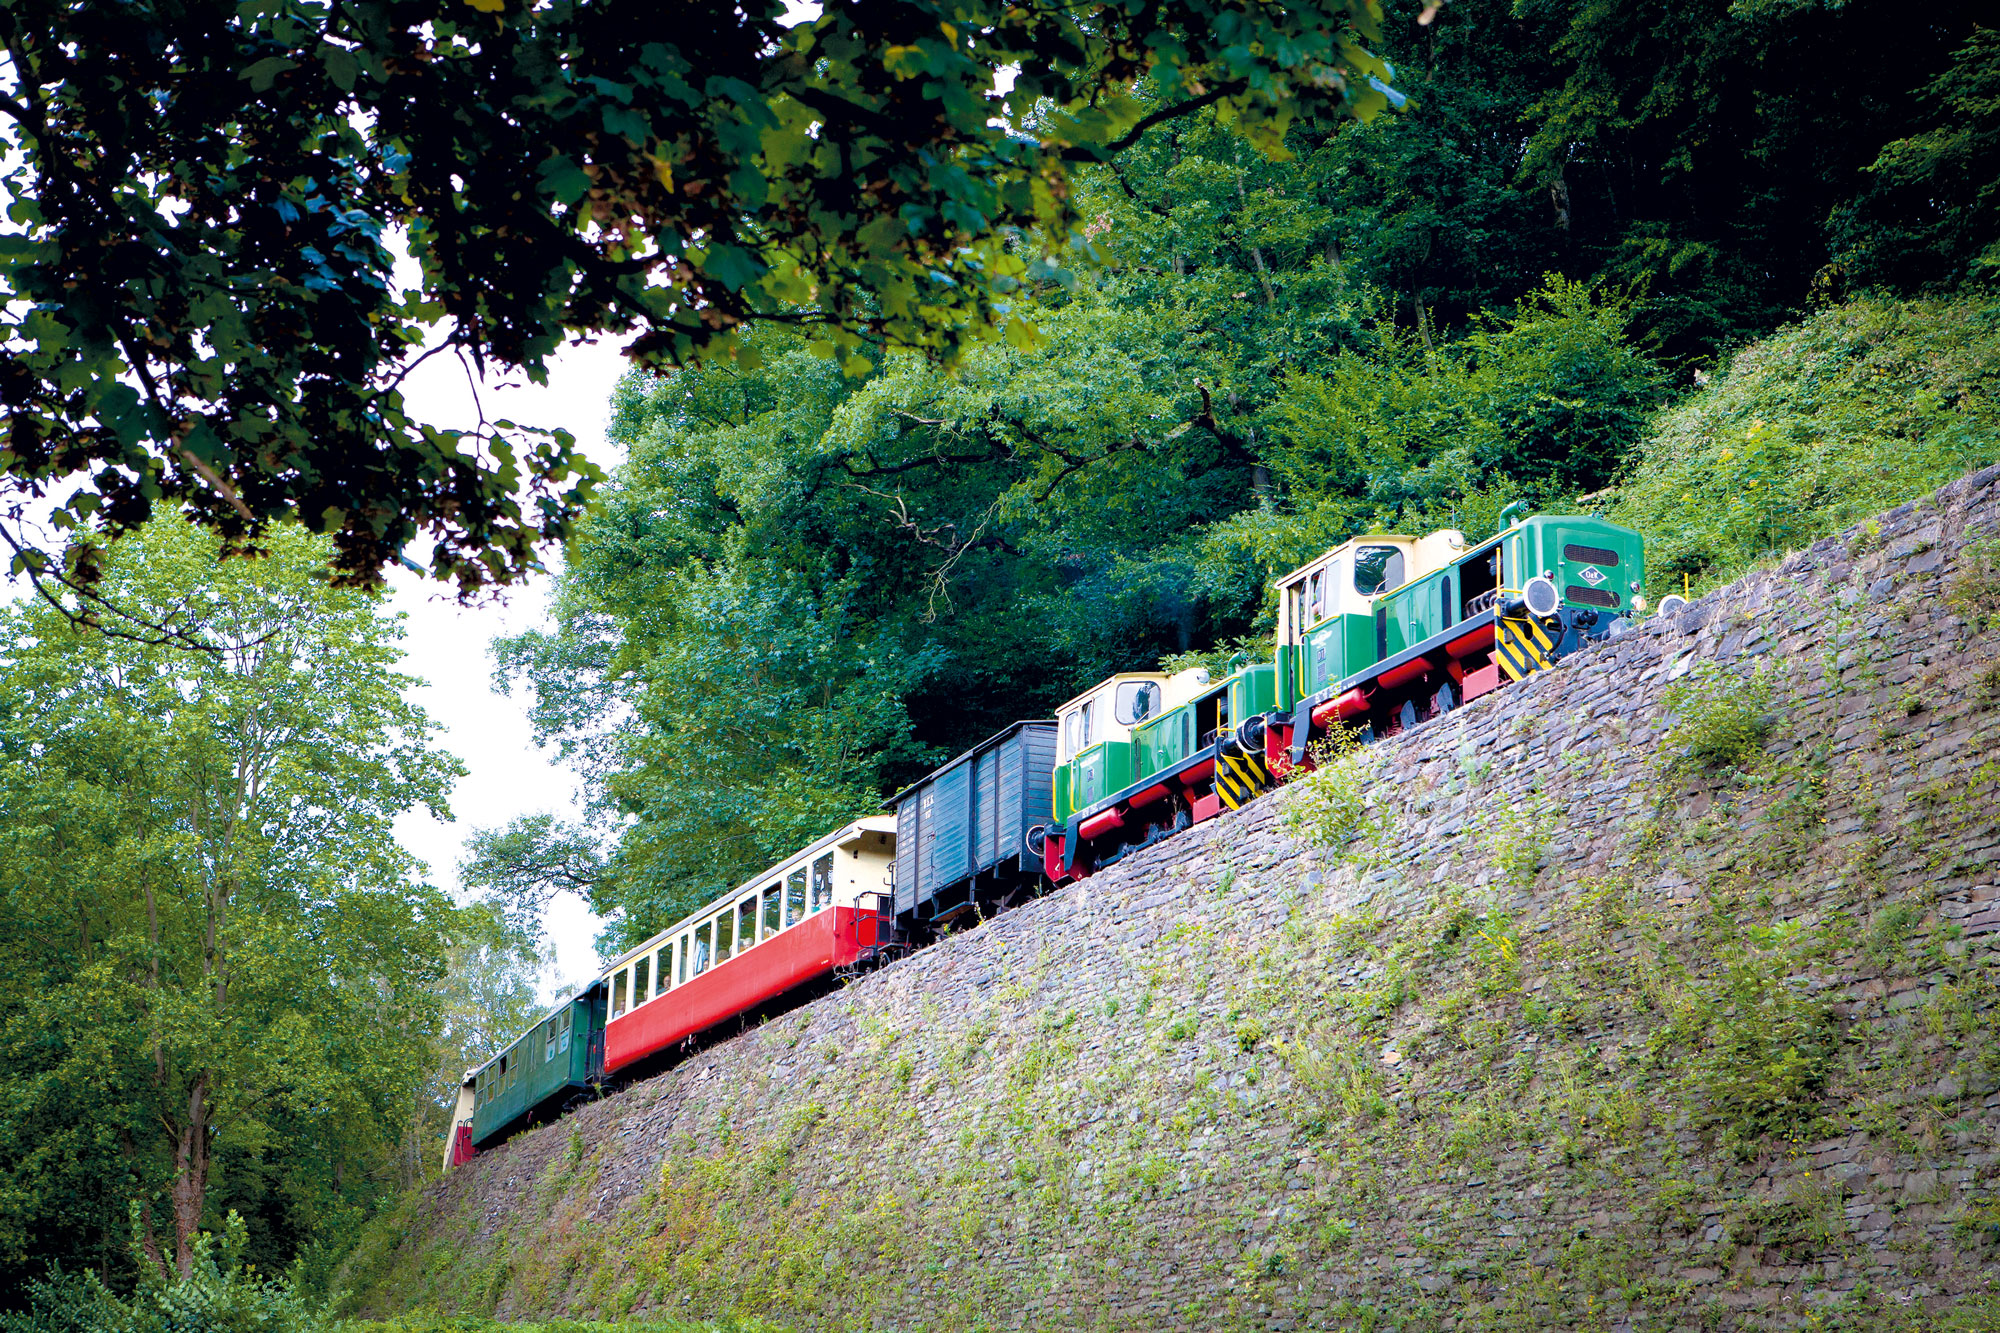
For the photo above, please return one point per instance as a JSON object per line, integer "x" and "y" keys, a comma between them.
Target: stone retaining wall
{"x": 1527, "y": 1019}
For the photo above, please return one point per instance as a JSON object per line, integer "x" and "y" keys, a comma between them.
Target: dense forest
{"x": 1726, "y": 272}
{"x": 806, "y": 586}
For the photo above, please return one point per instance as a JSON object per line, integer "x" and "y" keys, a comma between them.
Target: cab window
{"x": 1378, "y": 569}
{"x": 1136, "y": 701}
{"x": 1315, "y": 599}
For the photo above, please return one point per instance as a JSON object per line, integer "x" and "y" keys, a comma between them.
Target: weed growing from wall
{"x": 1975, "y": 592}
{"x": 1721, "y": 717}
{"x": 1329, "y": 806}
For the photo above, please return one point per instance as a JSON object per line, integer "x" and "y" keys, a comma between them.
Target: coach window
{"x": 823, "y": 882}
{"x": 549, "y": 1042}
{"x": 684, "y": 956}
{"x": 642, "y": 976}
{"x": 562, "y": 1035}
{"x": 725, "y": 935}
{"x": 795, "y": 897}
{"x": 701, "y": 947}
{"x": 774, "y": 910}
{"x": 746, "y": 923}
{"x": 618, "y": 993}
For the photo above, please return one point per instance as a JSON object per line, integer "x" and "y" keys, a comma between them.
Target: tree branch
{"x": 1079, "y": 153}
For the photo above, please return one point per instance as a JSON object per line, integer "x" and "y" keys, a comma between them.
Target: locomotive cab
{"x": 1094, "y": 734}
{"x": 1327, "y": 622}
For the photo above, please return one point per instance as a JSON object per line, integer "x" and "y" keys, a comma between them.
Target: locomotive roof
{"x": 974, "y": 752}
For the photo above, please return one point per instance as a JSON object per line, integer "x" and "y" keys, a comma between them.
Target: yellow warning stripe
{"x": 1522, "y": 647}
{"x": 1238, "y": 779}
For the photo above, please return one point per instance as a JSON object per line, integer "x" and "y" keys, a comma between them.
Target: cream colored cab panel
{"x": 1108, "y": 710}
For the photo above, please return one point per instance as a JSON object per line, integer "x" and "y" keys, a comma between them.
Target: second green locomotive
{"x": 1378, "y": 634}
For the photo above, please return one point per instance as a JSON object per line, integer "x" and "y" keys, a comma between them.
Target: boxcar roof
{"x": 973, "y": 753}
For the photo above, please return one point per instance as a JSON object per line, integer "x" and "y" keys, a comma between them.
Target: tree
{"x": 217, "y": 969}
{"x": 1700, "y": 148}
{"x": 200, "y": 308}
{"x": 1929, "y": 215}
{"x": 488, "y": 996}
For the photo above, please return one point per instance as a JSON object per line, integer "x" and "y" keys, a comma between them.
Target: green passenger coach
{"x": 546, "y": 1066}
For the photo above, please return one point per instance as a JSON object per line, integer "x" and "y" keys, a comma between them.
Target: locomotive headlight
{"x": 1638, "y": 604}
{"x": 1541, "y": 596}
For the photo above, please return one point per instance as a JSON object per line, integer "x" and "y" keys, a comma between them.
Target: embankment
{"x": 1657, "y": 992}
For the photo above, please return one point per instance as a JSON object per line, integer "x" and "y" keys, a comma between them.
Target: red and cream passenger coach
{"x": 829, "y": 907}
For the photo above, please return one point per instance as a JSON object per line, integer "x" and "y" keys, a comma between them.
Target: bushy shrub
{"x": 1328, "y": 807}
{"x": 1766, "y": 1049}
{"x": 1720, "y": 720}
{"x": 1856, "y": 410}
{"x": 220, "y": 1294}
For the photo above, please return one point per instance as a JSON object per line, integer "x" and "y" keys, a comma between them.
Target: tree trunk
{"x": 1256, "y": 252}
{"x": 190, "y": 1188}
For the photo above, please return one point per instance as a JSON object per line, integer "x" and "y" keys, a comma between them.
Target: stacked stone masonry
{"x": 1566, "y": 1029}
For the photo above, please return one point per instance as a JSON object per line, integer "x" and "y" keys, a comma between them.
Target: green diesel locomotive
{"x": 1377, "y": 635}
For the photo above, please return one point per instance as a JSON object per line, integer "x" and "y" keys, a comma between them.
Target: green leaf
{"x": 265, "y": 72}
{"x": 733, "y": 265}
{"x": 563, "y": 178}
{"x": 341, "y": 68}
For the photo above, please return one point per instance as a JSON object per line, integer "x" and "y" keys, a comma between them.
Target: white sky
{"x": 449, "y": 646}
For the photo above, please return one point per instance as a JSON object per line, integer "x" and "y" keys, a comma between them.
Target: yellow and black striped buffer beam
{"x": 1522, "y": 646}
{"x": 1239, "y": 777}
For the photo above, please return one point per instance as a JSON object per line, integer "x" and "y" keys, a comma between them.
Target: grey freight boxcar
{"x": 958, "y": 831}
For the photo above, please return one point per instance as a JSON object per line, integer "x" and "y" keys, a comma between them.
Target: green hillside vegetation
{"x": 1850, "y": 412}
